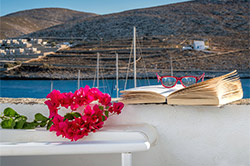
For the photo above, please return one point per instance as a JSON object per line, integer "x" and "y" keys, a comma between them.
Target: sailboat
{"x": 134, "y": 45}
{"x": 134, "y": 53}
{"x": 117, "y": 67}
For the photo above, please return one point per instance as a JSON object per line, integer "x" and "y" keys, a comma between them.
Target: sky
{"x": 92, "y": 6}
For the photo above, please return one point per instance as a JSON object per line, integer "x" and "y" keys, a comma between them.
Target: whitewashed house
{"x": 23, "y": 40}
{"x": 34, "y": 49}
{"x": 8, "y": 41}
{"x": 39, "y": 41}
{"x": 27, "y": 45}
{"x": 20, "y": 51}
{"x": 2, "y": 52}
{"x": 44, "y": 43}
{"x": 199, "y": 45}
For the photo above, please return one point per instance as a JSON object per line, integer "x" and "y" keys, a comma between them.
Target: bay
{"x": 40, "y": 88}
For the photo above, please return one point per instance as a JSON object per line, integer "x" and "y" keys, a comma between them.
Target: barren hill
{"x": 162, "y": 31}
{"x": 200, "y": 17}
{"x": 28, "y": 21}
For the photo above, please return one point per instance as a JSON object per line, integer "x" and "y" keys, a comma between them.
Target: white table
{"x": 123, "y": 139}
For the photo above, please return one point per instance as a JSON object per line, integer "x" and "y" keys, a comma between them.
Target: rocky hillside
{"x": 200, "y": 17}
{"x": 28, "y": 21}
{"x": 163, "y": 31}
{"x": 153, "y": 55}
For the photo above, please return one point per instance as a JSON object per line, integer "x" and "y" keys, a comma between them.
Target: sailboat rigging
{"x": 97, "y": 69}
{"x": 117, "y": 76}
{"x": 78, "y": 80}
{"x": 135, "y": 61}
{"x": 134, "y": 42}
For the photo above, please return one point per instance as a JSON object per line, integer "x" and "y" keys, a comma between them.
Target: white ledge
{"x": 111, "y": 139}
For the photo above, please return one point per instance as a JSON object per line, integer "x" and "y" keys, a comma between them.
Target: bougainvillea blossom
{"x": 86, "y": 115}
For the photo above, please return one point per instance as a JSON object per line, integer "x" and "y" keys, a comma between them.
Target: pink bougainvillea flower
{"x": 74, "y": 105}
{"x": 52, "y": 108}
{"x": 96, "y": 93}
{"x": 56, "y": 121}
{"x": 90, "y": 118}
{"x": 83, "y": 96}
{"x": 66, "y": 99}
{"x": 88, "y": 111}
{"x": 116, "y": 108}
{"x": 54, "y": 97}
{"x": 97, "y": 110}
{"x": 105, "y": 99}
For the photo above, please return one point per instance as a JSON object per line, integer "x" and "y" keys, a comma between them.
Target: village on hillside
{"x": 62, "y": 59}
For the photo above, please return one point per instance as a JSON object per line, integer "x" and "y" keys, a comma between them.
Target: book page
{"x": 147, "y": 94}
{"x": 154, "y": 88}
{"x": 136, "y": 98}
{"x": 216, "y": 91}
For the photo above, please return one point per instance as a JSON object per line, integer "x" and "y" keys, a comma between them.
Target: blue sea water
{"x": 40, "y": 88}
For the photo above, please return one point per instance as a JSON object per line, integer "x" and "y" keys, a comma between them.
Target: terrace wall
{"x": 188, "y": 136}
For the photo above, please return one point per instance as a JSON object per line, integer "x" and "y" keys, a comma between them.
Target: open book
{"x": 216, "y": 91}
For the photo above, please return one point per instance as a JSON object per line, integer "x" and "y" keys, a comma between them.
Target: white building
{"x": 23, "y": 40}
{"x": 19, "y": 51}
{"x": 199, "y": 45}
{"x": 27, "y": 45}
{"x": 39, "y": 41}
{"x": 34, "y": 49}
{"x": 44, "y": 43}
{"x": 8, "y": 41}
{"x": 37, "y": 52}
{"x": 2, "y": 52}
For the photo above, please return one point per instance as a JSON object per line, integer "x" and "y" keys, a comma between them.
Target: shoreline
{"x": 151, "y": 75}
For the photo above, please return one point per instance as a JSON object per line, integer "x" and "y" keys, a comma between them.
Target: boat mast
{"x": 117, "y": 76}
{"x": 134, "y": 42}
{"x": 97, "y": 68}
{"x": 171, "y": 65}
{"x": 51, "y": 86}
{"x": 78, "y": 80}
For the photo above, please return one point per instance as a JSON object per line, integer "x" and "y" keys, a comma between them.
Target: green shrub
{"x": 53, "y": 44}
{"x": 18, "y": 62}
{"x": 46, "y": 65}
{"x": 8, "y": 65}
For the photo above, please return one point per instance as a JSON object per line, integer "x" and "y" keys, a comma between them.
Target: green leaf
{"x": 76, "y": 114}
{"x": 42, "y": 124}
{"x": 103, "y": 118}
{"x": 4, "y": 117}
{"x": 106, "y": 113}
{"x": 40, "y": 117}
{"x": 24, "y": 117}
{"x": 35, "y": 123}
{"x": 19, "y": 122}
{"x": 72, "y": 115}
{"x": 10, "y": 112}
{"x": 29, "y": 125}
{"x": 49, "y": 124}
{"x": 8, "y": 124}
{"x": 68, "y": 116}
{"x": 101, "y": 107}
